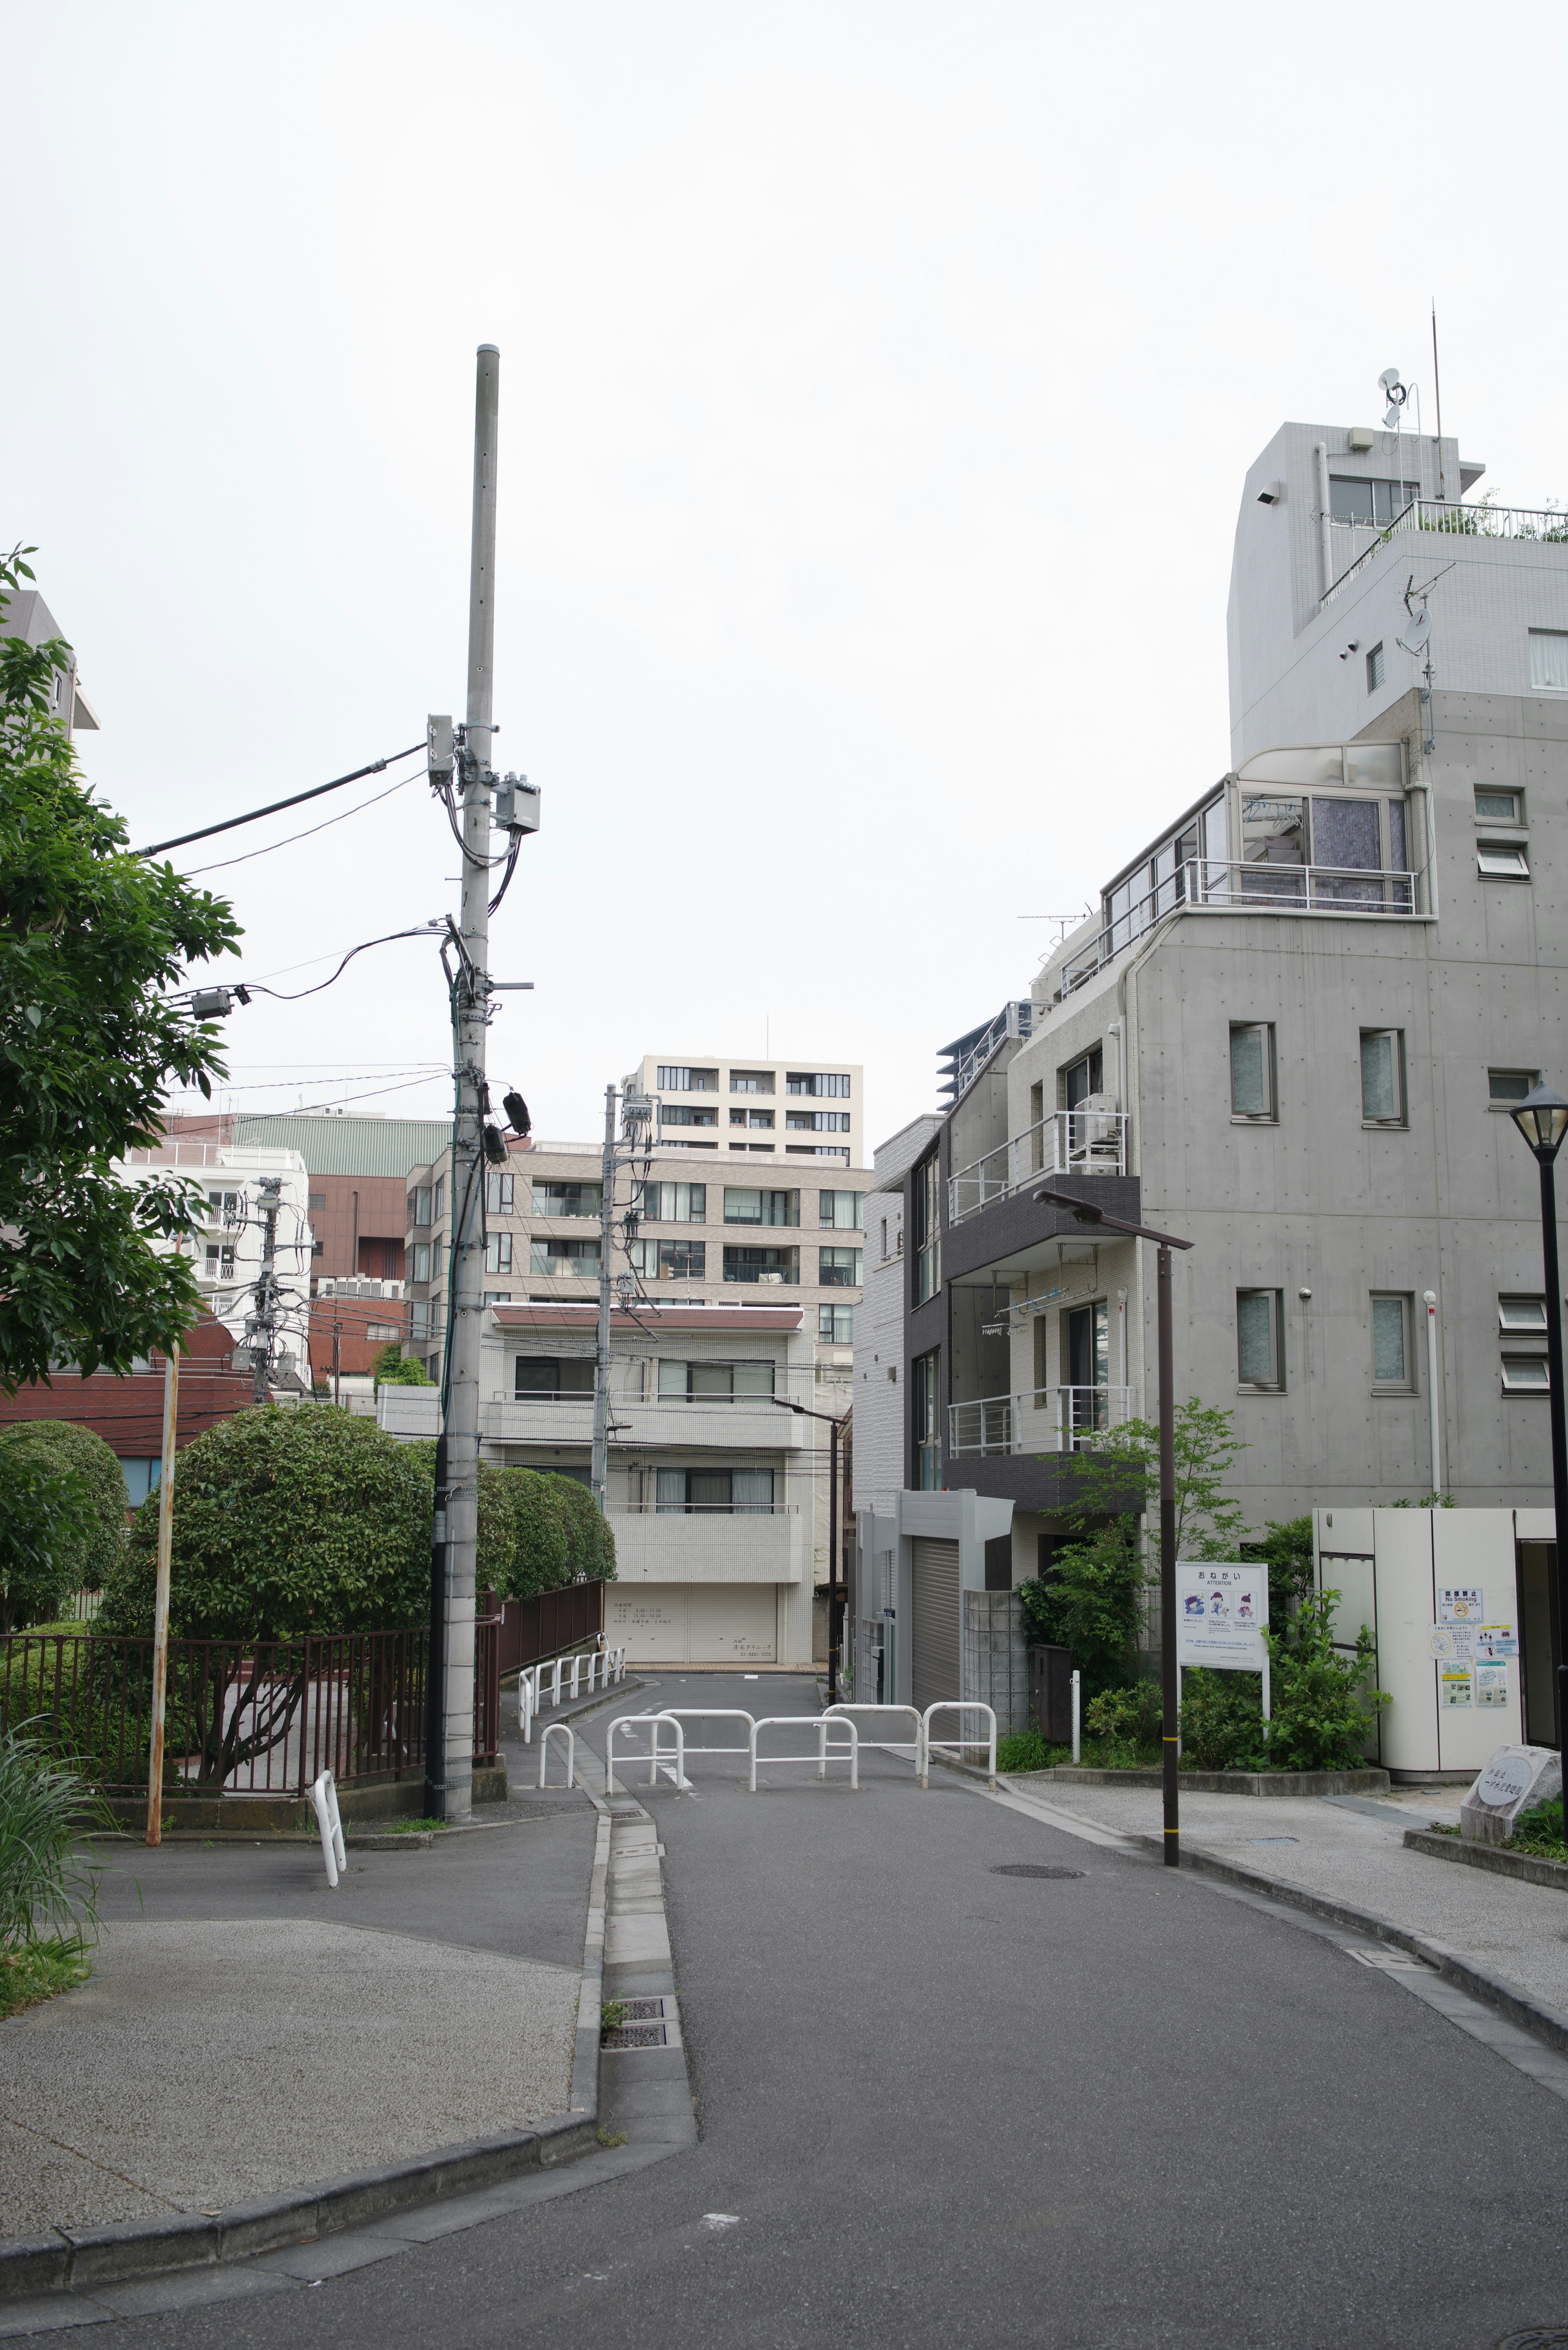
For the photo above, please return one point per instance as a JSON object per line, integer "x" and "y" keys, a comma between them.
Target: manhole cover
{"x": 1032, "y": 1868}
{"x": 1536, "y": 2337}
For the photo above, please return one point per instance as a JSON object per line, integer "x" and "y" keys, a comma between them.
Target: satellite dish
{"x": 1387, "y": 380}
{"x": 1417, "y": 630}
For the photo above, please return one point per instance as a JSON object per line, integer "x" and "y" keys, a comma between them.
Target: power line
{"x": 376, "y": 767}
{"x": 197, "y": 871}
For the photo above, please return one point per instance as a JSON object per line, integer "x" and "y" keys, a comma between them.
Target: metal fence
{"x": 243, "y": 1718}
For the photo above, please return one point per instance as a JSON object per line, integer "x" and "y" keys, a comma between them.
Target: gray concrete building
{"x": 1292, "y": 1033}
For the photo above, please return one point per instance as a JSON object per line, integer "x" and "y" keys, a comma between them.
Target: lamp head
{"x": 1542, "y": 1118}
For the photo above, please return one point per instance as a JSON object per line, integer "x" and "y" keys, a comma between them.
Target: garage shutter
{"x": 935, "y": 1594}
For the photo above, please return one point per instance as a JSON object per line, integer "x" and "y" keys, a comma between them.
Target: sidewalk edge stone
{"x": 1524, "y": 1867}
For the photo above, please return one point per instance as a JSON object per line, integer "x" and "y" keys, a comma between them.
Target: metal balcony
{"x": 1089, "y": 1140}
{"x": 1043, "y": 1419}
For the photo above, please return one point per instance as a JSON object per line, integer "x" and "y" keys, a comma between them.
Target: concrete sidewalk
{"x": 1349, "y": 1850}
{"x": 248, "y": 2030}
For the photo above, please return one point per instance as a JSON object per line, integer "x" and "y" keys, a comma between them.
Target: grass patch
{"x": 1539, "y": 1832}
{"x": 400, "y": 1827}
{"x": 612, "y": 2014}
{"x": 612, "y": 2137}
{"x": 41, "y": 1970}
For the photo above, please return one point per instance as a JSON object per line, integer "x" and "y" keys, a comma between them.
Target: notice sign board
{"x": 1221, "y": 1615}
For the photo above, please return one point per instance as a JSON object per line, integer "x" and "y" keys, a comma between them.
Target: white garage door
{"x": 695, "y": 1622}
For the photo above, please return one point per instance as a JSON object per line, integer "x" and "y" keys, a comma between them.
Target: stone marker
{"x": 1515, "y": 1780}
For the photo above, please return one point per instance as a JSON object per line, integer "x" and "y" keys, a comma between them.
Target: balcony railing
{"x": 1044, "y": 1420}
{"x": 1216, "y": 885}
{"x": 1090, "y": 1140}
{"x": 1453, "y": 521}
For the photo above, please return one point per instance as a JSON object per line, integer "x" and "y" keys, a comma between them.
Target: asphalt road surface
{"x": 941, "y": 2105}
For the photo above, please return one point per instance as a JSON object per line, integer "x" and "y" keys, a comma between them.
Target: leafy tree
{"x": 61, "y": 1446}
{"x": 1286, "y": 1550}
{"x": 498, "y": 1532}
{"x": 591, "y": 1544}
{"x": 542, "y": 1555}
{"x": 45, "y": 1519}
{"x": 392, "y": 1369}
{"x": 92, "y": 940}
{"x": 285, "y": 1522}
{"x": 1095, "y": 1597}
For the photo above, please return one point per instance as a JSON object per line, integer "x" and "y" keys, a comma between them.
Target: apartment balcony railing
{"x": 1043, "y": 1419}
{"x": 335, "y": 1286}
{"x": 1453, "y": 521}
{"x": 1216, "y": 885}
{"x": 1089, "y": 1140}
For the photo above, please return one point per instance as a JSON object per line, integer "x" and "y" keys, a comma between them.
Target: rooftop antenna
{"x": 1438, "y": 388}
{"x": 1396, "y": 394}
{"x": 1416, "y": 639}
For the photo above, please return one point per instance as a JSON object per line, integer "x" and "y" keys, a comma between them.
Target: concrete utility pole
{"x": 161, "y": 1600}
{"x": 600, "y": 1470}
{"x": 267, "y": 1296}
{"x": 455, "y": 1790}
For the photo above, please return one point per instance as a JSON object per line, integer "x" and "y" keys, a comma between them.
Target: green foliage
{"x": 45, "y": 1522}
{"x": 1124, "y": 1727}
{"x": 496, "y": 1538}
{"x": 392, "y": 1369}
{"x": 1540, "y": 1831}
{"x": 1286, "y": 1550}
{"x": 541, "y": 1552}
{"x": 47, "y": 1890}
{"x": 67, "y": 1449}
{"x": 92, "y": 942}
{"x": 591, "y": 1544}
{"x": 1221, "y": 1720}
{"x": 1092, "y": 1602}
{"x": 1322, "y": 1701}
{"x": 1426, "y": 1502}
{"x": 1026, "y": 1749}
{"x": 285, "y": 1522}
{"x": 1121, "y": 1475}
{"x": 41, "y": 1970}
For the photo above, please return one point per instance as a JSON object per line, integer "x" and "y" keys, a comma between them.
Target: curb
{"x": 1370, "y": 1782}
{"x": 1546, "y": 2023}
{"x": 1524, "y": 1867}
{"x": 87, "y": 2258}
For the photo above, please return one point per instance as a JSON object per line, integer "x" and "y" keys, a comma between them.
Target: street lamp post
{"x": 1084, "y": 1212}
{"x": 1542, "y": 1118}
{"x": 834, "y": 1622}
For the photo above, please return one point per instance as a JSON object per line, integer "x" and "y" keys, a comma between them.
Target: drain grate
{"x": 637, "y": 2010}
{"x": 1032, "y": 1868}
{"x": 633, "y": 2035}
{"x": 1536, "y": 2337}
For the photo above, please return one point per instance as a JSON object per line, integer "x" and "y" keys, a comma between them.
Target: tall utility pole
{"x": 161, "y": 1598}
{"x": 601, "y": 1471}
{"x": 454, "y": 1790}
{"x": 265, "y": 1316}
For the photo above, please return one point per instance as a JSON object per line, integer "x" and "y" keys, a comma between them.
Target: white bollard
{"x": 324, "y": 1803}
{"x": 1075, "y": 1719}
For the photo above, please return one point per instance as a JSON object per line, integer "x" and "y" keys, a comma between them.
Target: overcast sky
{"x": 877, "y": 381}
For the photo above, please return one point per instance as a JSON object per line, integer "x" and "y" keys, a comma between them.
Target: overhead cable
{"x": 376, "y": 767}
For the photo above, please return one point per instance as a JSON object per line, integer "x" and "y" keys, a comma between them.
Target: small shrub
{"x": 1026, "y": 1749}
{"x": 47, "y": 1895}
{"x": 1539, "y": 1830}
{"x": 540, "y": 1554}
{"x": 1221, "y": 1720}
{"x": 1323, "y": 1704}
{"x": 59, "y": 1446}
{"x": 1124, "y": 1726}
{"x": 46, "y": 1521}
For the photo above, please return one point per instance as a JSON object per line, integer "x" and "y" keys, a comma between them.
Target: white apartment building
{"x": 761, "y": 1109}
{"x": 714, "y": 1488}
{"x": 235, "y": 1182}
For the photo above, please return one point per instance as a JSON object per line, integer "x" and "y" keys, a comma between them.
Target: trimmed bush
{"x": 45, "y": 1519}
{"x": 591, "y": 1545}
{"x": 542, "y": 1552}
{"x": 62, "y": 1447}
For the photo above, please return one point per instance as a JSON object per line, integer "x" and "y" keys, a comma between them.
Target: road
{"x": 941, "y": 2105}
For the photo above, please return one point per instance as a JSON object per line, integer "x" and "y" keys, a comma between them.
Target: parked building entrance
{"x": 935, "y": 1669}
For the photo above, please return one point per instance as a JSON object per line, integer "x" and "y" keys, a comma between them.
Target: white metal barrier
{"x": 655, "y": 1759}
{"x": 915, "y": 1747}
{"x": 324, "y": 1804}
{"x": 558, "y": 1730}
{"x": 824, "y": 1754}
{"x": 959, "y": 1706}
{"x": 603, "y": 1666}
{"x": 683, "y": 1713}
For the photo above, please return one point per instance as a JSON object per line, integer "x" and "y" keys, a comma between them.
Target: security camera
{"x": 1270, "y": 493}
{"x": 1352, "y": 647}
{"x": 1303, "y": 1294}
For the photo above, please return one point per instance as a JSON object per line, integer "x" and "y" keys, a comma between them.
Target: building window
{"x": 498, "y": 1195}
{"x": 688, "y": 1081}
{"x": 671, "y": 1203}
{"x": 220, "y": 1264}
{"x": 759, "y": 1120}
{"x": 552, "y": 1377}
{"x": 1498, "y": 807}
{"x": 1082, "y": 1078}
{"x": 713, "y": 1382}
{"x": 419, "y": 1204}
{"x": 1253, "y": 1069}
{"x": 843, "y": 1211}
{"x": 419, "y": 1321}
{"x": 1355, "y": 499}
{"x": 568, "y": 1199}
{"x": 1506, "y": 1086}
{"x": 315, "y": 1204}
{"x": 1526, "y": 1375}
{"x": 767, "y": 1266}
{"x": 1374, "y": 669}
{"x": 1391, "y": 1356}
{"x": 925, "y": 1208}
{"x": 318, "y": 1248}
{"x": 839, "y": 1268}
{"x": 835, "y": 1325}
{"x": 751, "y": 1081}
{"x": 834, "y": 1088}
{"x": 814, "y": 1151}
{"x": 438, "y": 1201}
{"x": 1383, "y": 1076}
{"x": 1520, "y": 1313}
{"x": 563, "y": 1259}
{"x": 1502, "y": 861}
{"x": 498, "y": 1253}
{"x": 682, "y": 1113}
{"x": 229, "y": 1206}
{"x": 740, "y": 1491}
{"x": 817, "y": 1122}
{"x": 1549, "y": 660}
{"x": 1258, "y": 1355}
{"x": 421, "y": 1253}
{"x": 884, "y": 1239}
{"x": 743, "y": 1205}
{"x": 924, "y": 1388}
{"x": 669, "y": 1259}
